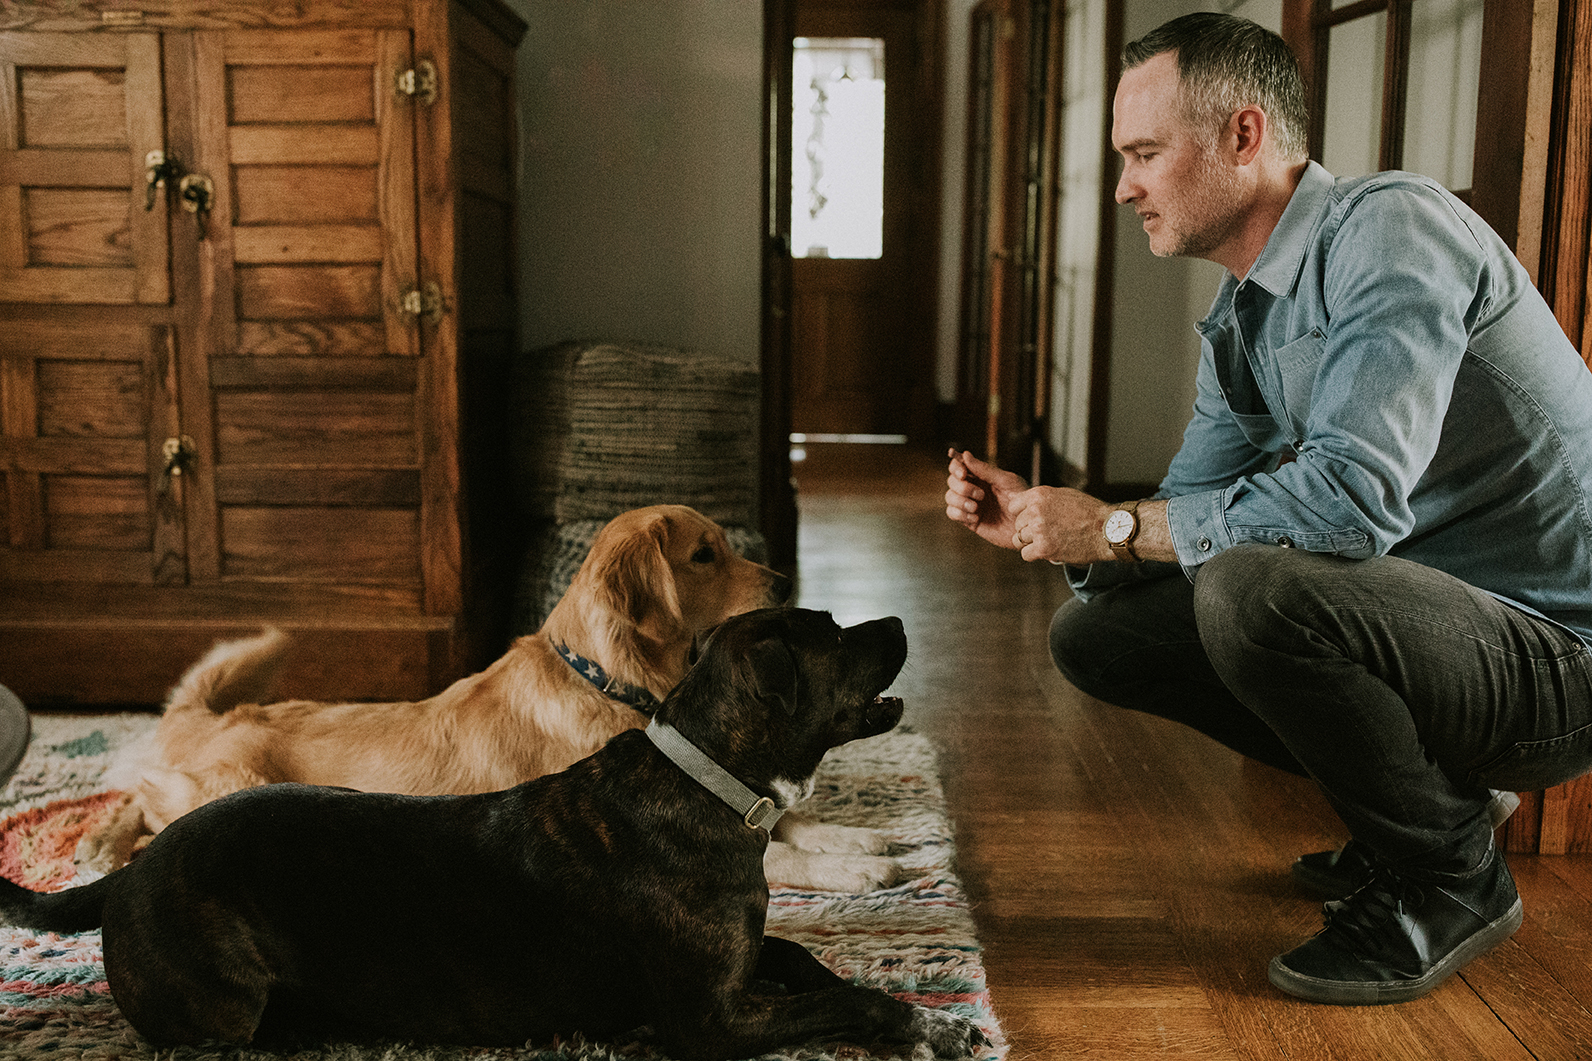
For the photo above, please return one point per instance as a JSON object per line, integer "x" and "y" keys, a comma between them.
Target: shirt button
{"x": 1203, "y": 545}
{"x": 1285, "y": 541}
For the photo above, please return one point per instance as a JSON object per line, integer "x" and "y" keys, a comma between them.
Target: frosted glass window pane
{"x": 1351, "y": 145}
{"x": 1445, "y": 65}
{"x": 837, "y": 148}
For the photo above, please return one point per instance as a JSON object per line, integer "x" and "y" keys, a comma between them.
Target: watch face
{"x": 1119, "y": 525}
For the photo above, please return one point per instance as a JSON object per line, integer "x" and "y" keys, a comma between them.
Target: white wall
{"x": 1445, "y": 69}
{"x": 640, "y": 189}
{"x": 1083, "y": 104}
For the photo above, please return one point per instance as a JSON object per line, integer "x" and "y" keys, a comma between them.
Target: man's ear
{"x": 1247, "y": 130}
{"x": 774, "y": 671}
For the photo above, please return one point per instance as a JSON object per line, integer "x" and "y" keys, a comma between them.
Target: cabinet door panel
{"x": 275, "y": 292}
{"x": 303, "y": 194}
{"x": 332, "y": 430}
{"x": 83, "y": 415}
{"x": 313, "y": 148}
{"x": 341, "y": 545}
{"x": 78, "y": 115}
{"x": 313, "y": 378}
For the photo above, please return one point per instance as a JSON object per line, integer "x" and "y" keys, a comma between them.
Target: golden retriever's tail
{"x": 232, "y": 673}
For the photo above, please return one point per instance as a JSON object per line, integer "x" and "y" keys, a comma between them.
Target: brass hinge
{"x": 421, "y": 82}
{"x": 424, "y": 302}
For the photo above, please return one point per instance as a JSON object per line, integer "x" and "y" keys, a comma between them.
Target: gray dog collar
{"x": 758, "y": 812}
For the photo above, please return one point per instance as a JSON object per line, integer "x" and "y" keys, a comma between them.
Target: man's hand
{"x": 1054, "y": 523}
{"x": 979, "y": 497}
{"x": 1060, "y": 524}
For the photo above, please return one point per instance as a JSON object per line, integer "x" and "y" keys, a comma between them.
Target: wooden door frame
{"x": 985, "y": 233}
{"x": 777, "y": 493}
{"x": 1007, "y": 315}
{"x": 1567, "y": 228}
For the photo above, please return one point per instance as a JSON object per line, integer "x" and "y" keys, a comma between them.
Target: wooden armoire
{"x": 257, "y": 312}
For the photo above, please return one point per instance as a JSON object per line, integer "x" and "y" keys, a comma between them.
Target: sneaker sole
{"x": 1380, "y": 992}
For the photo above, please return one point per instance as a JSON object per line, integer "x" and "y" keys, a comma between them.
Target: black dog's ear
{"x": 699, "y": 644}
{"x": 774, "y": 669}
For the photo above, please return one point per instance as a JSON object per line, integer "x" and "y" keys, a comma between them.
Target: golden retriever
{"x": 654, "y": 579}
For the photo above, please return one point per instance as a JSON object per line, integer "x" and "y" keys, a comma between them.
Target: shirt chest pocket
{"x": 1297, "y": 365}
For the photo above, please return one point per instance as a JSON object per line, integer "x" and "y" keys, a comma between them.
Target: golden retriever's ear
{"x": 774, "y": 671}
{"x": 642, "y": 582}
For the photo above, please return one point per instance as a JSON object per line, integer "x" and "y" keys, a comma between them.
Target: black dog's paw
{"x": 940, "y": 1035}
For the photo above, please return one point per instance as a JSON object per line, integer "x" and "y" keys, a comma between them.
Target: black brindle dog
{"x": 616, "y": 897}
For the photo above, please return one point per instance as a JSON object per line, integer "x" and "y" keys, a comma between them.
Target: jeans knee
{"x": 1125, "y": 637}
{"x": 1072, "y": 645}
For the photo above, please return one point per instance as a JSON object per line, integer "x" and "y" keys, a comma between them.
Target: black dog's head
{"x": 774, "y": 689}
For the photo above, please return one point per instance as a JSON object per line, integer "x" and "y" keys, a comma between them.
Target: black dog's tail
{"x": 72, "y": 910}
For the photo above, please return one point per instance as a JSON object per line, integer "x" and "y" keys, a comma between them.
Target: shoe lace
{"x": 1365, "y": 916}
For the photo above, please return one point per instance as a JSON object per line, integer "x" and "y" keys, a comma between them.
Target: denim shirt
{"x": 1390, "y": 341}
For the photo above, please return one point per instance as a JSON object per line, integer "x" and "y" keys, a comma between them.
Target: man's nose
{"x": 1127, "y": 190}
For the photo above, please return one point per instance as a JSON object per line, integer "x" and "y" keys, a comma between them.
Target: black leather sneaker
{"x": 1340, "y": 873}
{"x": 1396, "y": 938}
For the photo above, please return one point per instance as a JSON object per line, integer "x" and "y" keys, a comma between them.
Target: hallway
{"x": 1130, "y": 877}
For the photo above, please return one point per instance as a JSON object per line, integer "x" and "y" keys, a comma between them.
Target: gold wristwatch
{"x": 1122, "y": 526}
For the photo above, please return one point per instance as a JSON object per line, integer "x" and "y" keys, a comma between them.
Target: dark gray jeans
{"x": 1404, "y": 692}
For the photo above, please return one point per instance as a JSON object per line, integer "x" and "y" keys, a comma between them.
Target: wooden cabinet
{"x": 269, "y": 388}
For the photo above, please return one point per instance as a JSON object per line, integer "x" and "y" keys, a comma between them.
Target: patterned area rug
{"x": 915, "y": 940}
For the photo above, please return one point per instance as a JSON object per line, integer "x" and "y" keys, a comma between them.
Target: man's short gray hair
{"x": 1225, "y": 63}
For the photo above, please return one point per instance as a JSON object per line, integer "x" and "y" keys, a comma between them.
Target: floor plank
{"x": 1130, "y": 877}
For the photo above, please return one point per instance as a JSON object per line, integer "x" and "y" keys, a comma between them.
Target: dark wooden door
{"x": 862, "y": 354}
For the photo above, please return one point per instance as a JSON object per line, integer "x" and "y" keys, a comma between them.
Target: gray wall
{"x": 640, "y": 184}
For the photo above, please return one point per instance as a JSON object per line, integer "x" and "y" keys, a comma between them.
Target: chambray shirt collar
{"x": 1281, "y": 261}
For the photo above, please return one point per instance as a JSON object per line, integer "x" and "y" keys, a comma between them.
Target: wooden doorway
{"x": 1009, "y": 245}
{"x": 862, "y": 316}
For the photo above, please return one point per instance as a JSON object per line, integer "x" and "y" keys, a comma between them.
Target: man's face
{"x": 1190, "y": 197}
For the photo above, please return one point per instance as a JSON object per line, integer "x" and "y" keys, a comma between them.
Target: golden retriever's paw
{"x": 93, "y": 857}
{"x": 870, "y": 873}
{"x": 808, "y": 833}
{"x": 844, "y": 840}
{"x": 109, "y": 845}
{"x": 818, "y": 871}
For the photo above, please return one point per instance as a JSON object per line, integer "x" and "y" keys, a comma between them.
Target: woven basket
{"x": 608, "y": 427}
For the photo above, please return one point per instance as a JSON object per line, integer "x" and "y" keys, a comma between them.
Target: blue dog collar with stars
{"x": 631, "y": 695}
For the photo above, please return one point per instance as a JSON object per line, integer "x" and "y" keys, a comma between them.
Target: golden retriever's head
{"x": 655, "y": 578}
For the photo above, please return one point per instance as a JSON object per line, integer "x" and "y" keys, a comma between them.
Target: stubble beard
{"x": 1213, "y": 213}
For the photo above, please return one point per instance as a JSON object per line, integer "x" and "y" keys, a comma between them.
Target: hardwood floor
{"x": 1130, "y": 877}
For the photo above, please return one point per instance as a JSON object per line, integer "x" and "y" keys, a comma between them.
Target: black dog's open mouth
{"x": 881, "y": 714}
